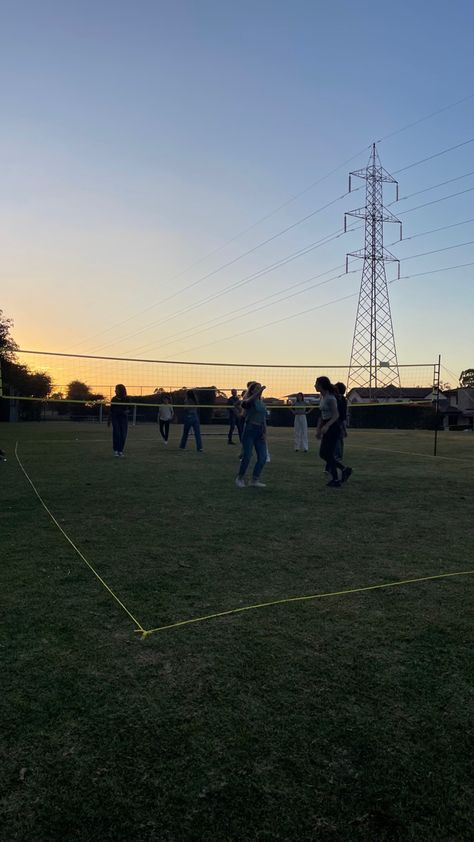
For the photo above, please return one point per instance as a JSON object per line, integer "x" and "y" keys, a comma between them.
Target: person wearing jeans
{"x": 191, "y": 421}
{"x": 254, "y": 436}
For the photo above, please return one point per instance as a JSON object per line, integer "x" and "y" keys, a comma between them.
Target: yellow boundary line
{"x": 80, "y": 554}
{"x": 144, "y": 633}
{"x": 301, "y": 599}
{"x": 409, "y": 453}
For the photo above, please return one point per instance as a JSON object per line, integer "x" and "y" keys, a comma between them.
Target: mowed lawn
{"x": 345, "y": 718}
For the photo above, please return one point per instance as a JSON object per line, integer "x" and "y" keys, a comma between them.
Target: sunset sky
{"x": 137, "y": 138}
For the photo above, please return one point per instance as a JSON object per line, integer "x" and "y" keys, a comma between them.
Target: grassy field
{"x": 346, "y": 718}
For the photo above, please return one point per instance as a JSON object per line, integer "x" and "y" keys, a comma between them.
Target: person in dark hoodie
{"x": 118, "y": 417}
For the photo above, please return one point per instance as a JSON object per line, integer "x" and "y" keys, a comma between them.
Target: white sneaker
{"x": 116, "y": 453}
{"x": 257, "y": 484}
{"x": 122, "y": 455}
{"x": 240, "y": 482}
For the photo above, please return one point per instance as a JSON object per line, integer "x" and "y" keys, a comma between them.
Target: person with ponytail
{"x": 328, "y": 432}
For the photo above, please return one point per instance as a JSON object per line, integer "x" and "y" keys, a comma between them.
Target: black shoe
{"x": 334, "y": 484}
{"x": 346, "y": 474}
{"x": 231, "y": 442}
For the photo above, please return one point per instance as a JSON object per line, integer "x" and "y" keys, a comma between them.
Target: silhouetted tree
{"x": 79, "y": 391}
{"x": 466, "y": 378}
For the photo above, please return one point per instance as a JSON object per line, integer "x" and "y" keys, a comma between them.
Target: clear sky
{"x": 138, "y": 137}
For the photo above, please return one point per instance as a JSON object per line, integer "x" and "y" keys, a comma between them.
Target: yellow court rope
{"x": 144, "y": 633}
{"x": 302, "y": 599}
{"x": 80, "y": 554}
{"x": 410, "y": 453}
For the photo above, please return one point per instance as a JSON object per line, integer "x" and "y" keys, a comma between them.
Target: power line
{"x": 272, "y": 295}
{"x": 278, "y": 264}
{"x": 427, "y": 117}
{"x": 234, "y": 311}
{"x": 431, "y": 231}
{"x": 278, "y": 234}
{"x": 251, "y": 309}
{"x": 237, "y": 284}
{"x": 188, "y": 332}
{"x": 231, "y": 240}
{"x": 324, "y": 241}
{"x": 321, "y": 306}
{"x": 435, "y": 186}
{"x": 436, "y": 155}
{"x": 314, "y": 277}
{"x": 435, "y": 201}
{"x": 437, "y": 251}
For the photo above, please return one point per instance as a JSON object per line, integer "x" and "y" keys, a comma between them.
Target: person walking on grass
{"x": 191, "y": 421}
{"x": 300, "y": 411}
{"x": 234, "y": 416}
{"x": 328, "y": 432}
{"x": 254, "y": 436}
{"x": 342, "y": 410}
{"x": 118, "y": 417}
{"x": 165, "y": 415}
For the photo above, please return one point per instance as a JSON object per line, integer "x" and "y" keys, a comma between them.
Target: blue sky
{"x": 136, "y": 138}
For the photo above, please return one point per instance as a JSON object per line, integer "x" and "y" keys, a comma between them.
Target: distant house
{"x": 392, "y": 394}
{"x": 456, "y": 406}
{"x": 461, "y": 407}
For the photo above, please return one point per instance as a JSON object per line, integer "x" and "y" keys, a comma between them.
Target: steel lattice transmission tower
{"x": 374, "y": 361}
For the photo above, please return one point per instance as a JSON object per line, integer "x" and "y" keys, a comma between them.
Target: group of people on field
{"x": 248, "y": 415}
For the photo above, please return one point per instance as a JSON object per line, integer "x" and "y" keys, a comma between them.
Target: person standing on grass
{"x": 234, "y": 412}
{"x": 118, "y": 417}
{"x": 300, "y": 411}
{"x": 165, "y": 415}
{"x": 342, "y": 410}
{"x": 328, "y": 432}
{"x": 255, "y": 435}
{"x": 191, "y": 421}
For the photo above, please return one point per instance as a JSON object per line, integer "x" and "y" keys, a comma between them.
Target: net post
{"x": 101, "y": 413}
{"x": 437, "y": 383}
{"x": 134, "y": 419}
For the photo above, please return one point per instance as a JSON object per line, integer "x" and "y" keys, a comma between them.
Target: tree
{"x": 79, "y": 391}
{"x": 25, "y": 383}
{"x": 466, "y": 378}
{"x": 8, "y": 345}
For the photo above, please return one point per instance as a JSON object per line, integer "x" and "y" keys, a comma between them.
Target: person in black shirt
{"x": 342, "y": 409}
{"x": 118, "y": 417}
{"x": 234, "y": 416}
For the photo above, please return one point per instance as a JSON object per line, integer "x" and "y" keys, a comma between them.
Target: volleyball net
{"x": 78, "y": 387}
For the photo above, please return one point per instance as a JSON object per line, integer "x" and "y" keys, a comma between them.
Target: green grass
{"x": 343, "y": 719}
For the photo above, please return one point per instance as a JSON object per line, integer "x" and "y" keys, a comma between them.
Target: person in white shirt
{"x": 300, "y": 411}
{"x": 165, "y": 414}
